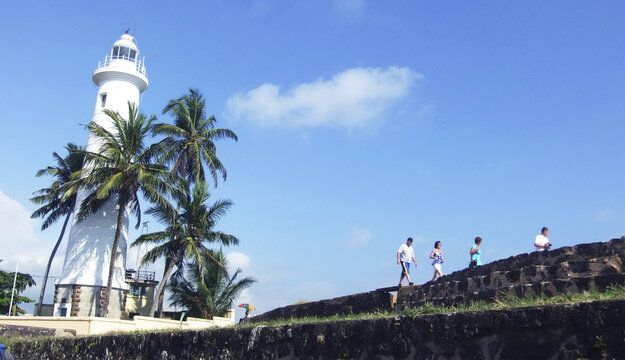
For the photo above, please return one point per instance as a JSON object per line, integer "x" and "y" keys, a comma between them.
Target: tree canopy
{"x": 6, "y": 285}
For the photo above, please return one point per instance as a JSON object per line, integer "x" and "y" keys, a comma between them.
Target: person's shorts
{"x": 405, "y": 268}
{"x": 437, "y": 266}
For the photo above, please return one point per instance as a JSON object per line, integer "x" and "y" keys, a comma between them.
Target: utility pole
{"x": 13, "y": 290}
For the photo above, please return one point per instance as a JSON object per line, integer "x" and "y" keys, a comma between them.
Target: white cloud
{"x": 237, "y": 260}
{"x": 360, "y": 237}
{"x": 354, "y": 98}
{"x": 23, "y": 242}
{"x": 16, "y": 226}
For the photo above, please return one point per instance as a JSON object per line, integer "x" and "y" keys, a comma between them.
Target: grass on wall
{"x": 508, "y": 300}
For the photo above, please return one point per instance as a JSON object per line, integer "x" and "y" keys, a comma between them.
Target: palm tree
{"x": 121, "y": 170}
{"x": 190, "y": 139}
{"x": 186, "y": 233}
{"x": 210, "y": 291}
{"x": 54, "y": 206}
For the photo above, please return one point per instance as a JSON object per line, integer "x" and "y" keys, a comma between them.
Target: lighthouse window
{"x": 102, "y": 100}
{"x": 138, "y": 290}
{"x": 123, "y": 52}
{"x": 120, "y": 52}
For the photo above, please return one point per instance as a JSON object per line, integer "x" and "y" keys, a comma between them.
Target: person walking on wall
{"x": 541, "y": 242}
{"x": 437, "y": 255}
{"x": 404, "y": 255}
{"x": 476, "y": 253}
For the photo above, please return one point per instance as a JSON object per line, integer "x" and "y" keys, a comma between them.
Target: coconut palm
{"x": 210, "y": 291}
{"x": 122, "y": 169}
{"x": 191, "y": 138}
{"x": 54, "y": 206}
{"x": 187, "y": 232}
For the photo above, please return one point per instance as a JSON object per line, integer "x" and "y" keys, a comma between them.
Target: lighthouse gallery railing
{"x": 139, "y": 63}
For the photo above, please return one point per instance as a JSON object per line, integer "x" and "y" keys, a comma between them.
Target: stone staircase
{"x": 567, "y": 269}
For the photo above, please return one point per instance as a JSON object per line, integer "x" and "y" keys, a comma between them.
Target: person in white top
{"x": 541, "y": 242}
{"x": 404, "y": 255}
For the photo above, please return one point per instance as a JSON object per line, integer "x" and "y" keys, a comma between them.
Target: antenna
{"x": 144, "y": 230}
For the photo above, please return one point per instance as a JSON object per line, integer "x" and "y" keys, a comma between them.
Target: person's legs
{"x": 404, "y": 273}
{"x": 437, "y": 271}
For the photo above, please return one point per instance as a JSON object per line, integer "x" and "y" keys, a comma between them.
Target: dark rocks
{"x": 18, "y": 331}
{"x": 352, "y": 304}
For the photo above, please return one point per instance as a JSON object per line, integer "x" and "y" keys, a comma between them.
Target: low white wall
{"x": 96, "y": 325}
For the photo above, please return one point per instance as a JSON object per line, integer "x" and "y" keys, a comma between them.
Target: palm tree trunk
{"x": 45, "y": 275}
{"x": 161, "y": 286}
{"x": 109, "y": 283}
{"x": 159, "y": 299}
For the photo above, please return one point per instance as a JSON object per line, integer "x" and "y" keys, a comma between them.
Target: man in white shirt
{"x": 541, "y": 242}
{"x": 404, "y": 255}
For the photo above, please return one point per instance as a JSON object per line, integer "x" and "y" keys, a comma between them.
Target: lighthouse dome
{"x": 125, "y": 49}
{"x": 122, "y": 63}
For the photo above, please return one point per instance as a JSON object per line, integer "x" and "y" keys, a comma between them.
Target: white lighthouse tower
{"x": 120, "y": 78}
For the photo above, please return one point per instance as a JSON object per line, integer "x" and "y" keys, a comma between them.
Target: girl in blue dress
{"x": 437, "y": 255}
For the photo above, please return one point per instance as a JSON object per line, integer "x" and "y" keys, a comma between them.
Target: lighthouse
{"x": 120, "y": 78}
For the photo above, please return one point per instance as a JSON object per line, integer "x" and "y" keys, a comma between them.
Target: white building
{"x": 120, "y": 77}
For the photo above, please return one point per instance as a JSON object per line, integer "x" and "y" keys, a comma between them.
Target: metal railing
{"x": 140, "y": 275}
{"x": 108, "y": 59}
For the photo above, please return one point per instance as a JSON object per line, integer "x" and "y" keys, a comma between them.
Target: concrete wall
{"x": 140, "y": 304}
{"x": 586, "y": 330}
{"x": 95, "y": 325}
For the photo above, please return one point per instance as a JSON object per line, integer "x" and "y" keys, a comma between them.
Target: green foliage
{"x": 190, "y": 139}
{"x": 121, "y": 170}
{"x": 211, "y": 294}
{"x": 599, "y": 343}
{"x": 124, "y": 166}
{"x": 189, "y": 228}
{"x": 6, "y": 285}
{"x": 54, "y": 203}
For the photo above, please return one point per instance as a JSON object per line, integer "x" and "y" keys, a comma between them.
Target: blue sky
{"x": 360, "y": 123}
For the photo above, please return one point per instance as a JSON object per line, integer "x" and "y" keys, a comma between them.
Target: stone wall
{"x": 547, "y": 273}
{"x": 567, "y": 269}
{"x": 85, "y": 300}
{"x": 585, "y": 330}
{"x": 17, "y": 331}
{"x": 354, "y": 304}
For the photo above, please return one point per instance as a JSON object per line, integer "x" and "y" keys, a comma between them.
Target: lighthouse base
{"x": 87, "y": 300}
